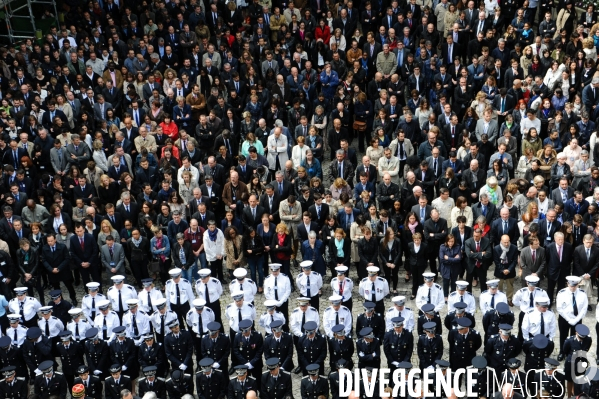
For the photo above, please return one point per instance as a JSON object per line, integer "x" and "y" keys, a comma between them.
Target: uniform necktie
{"x": 308, "y": 293}
{"x": 542, "y": 324}
{"x": 16, "y": 339}
{"x": 162, "y": 317}
{"x": 276, "y": 290}
{"x": 428, "y": 300}
{"x": 135, "y": 329}
{"x": 239, "y": 317}
{"x": 303, "y": 321}
{"x": 104, "y": 330}
{"x": 493, "y": 301}
{"x": 120, "y": 301}
{"x": 149, "y": 301}
{"x": 93, "y": 308}
{"x": 178, "y": 294}
{"x": 77, "y": 331}
{"x": 574, "y": 307}
{"x": 336, "y": 318}
{"x": 47, "y": 328}
{"x": 532, "y": 300}
{"x": 200, "y": 325}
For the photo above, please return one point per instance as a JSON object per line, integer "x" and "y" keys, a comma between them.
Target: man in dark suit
{"x": 504, "y": 104}
{"x": 217, "y": 171}
{"x": 422, "y": 209}
{"x": 48, "y": 117}
{"x": 475, "y": 177}
{"x": 505, "y": 225}
{"x": 435, "y": 231}
{"x": 427, "y": 178}
{"x": 113, "y": 96}
{"x": 129, "y": 131}
{"x": 282, "y": 186}
{"x": 368, "y": 169}
{"x": 451, "y": 133}
{"x": 128, "y": 210}
{"x": 6, "y": 223}
{"x": 12, "y": 156}
{"x": 363, "y": 185}
{"x": 480, "y": 255}
{"x": 213, "y": 191}
{"x": 548, "y": 227}
{"x": 559, "y": 263}
{"x": 319, "y": 212}
{"x": 57, "y": 261}
{"x": 270, "y": 201}
{"x": 347, "y": 216}
{"x": 307, "y": 225}
{"x": 252, "y": 214}
{"x": 586, "y": 263}
{"x": 454, "y": 163}
{"x": 84, "y": 253}
{"x": 244, "y": 170}
{"x": 115, "y": 218}
{"x": 450, "y": 50}
{"x": 84, "y": 190}
{"x": 14, "y": 236}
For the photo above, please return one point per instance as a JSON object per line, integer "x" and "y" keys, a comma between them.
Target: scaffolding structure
{"x": 20, "y": 19}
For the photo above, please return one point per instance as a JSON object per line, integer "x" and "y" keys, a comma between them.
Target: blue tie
{"x": 421, "y": 215}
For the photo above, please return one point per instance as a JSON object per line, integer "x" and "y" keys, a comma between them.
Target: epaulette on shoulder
{"x": 188, "y": 375}
{"x": 58, "y": 372}
{"x": 250, "y": 281}
{"x": 229, "y": 305}
{"x": 303, "y": 378}
{"x": 364, "y": 279}
{"x": 422, "y": 285}
{"x": 54, "y": 318}
{"x": 282, "y": 274}
{"x": 20, "y": 378}
{"x": 334, "y": 279}
{"x": 185, "y": 280}
{"x": 111, "y": 288}
{"x": 160, "y": 378}
{"x": 407, "y": 308}
{"x": 314, "y": 309}
{"x": 215, "y": 280}
{"x": 484, "y": 292}
{"x": 438, "y": 286}
{"x": 316, "y": 273}
{"x": 346, "y": 308}
{"x": 562, "y": 290}
{"x": 327, "y": 309}
{"x": 250, "y": 305}
{"x": 165, "y": 381}
{"x": 296, "y": 310}
{"x": 266, "y": 372}
{"x": 494, "y": 335}
{"x": 391, "y": 309}
{"x": 285, "y": 372}
{"x": 530, "y": 311}
{"x": 581, "y": 290}
{"x": 131, "y": 288}
{"x": 250, "y": 377}
{"x": 86, "y": 295}
{"x": 453, "y": 293}
{"x": 264, "y": 313}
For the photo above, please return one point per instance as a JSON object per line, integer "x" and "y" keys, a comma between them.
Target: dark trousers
{"x": 216, "y": 268}
{"x": 164, "y": 268}
{"x": 417, "y": 279}
{"x": 552, "y": 285}
{"x": 481, "y": 274}
{"x": 391, "y": 275}
{"x": 520, "y": 318}
{"x": 215, "y": 306}
{"x": 181, "y": 311}
{"x": 565, "y": 330}
{"x": 315, "y": 301}
{"x": 140, "y": 271}
{"x": 284, "y": 308}
{"x": 90, "y": 274}
{"x": 34, "y": 282}
{"x": 349, "y": 304}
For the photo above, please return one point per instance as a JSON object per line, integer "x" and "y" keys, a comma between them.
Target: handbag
{"x": 359, "y": 126}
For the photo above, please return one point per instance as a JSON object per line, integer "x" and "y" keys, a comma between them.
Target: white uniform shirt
{"x": 127, "y": 292}
{"x": 406, "y": 313}
{"x": 248, "y": 312}
{"x": 248, "y": 287}
{"x": 297, "y": 320}
{"x": 54, "y": 324}
{"x": 30, "y": 307}
{"x": 329, "y": 320}
{"x": 154, "y": 294}
{"x": 267, "y": 318}
{"x": 142, "y": 320}
{"x": 485, "y": 299}
{"x": 531, "y": 324}
{"x": 315, "y": 280}
{"x": 282, "y": 288}
{"x": 347, "y": 285}
{"x": 185, "y": 292}
{"x": 192, "y": 319}
{"x": 522, "y": 298}
{"x": 156, "y": 320}
{"x": 87, "y": 308}
{"x": 381, "y": 287}
{"x": 81, "y": 327}
{"x": 467, "y": 298}
{"x": 215, "y": 290}
{"x": 21, "y": 334}
{"x": 565, "y": 308}
{"x": 112, "y": 321}
{"x": 437, "y": 296}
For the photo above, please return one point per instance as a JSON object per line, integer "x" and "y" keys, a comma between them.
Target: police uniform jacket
{"x": 429, "y": 350}
{"x": 563, "y": 305}
{"x": 281, "y": 348}
{"x": 232, "y": 313}
{"x": 125, "y": 353}
{"x": 158, "y": 386}
{"x": 315, "y": 280}
{"x": 492, "y": 320}
{"x": 334, "y": 384}
{"x": 78, "y": 329}
{"x": 97, "y": 356}
{"x": 283, "y": 288}
{"x": 463, "y": 349}
{"x": 156, "y": 320}
{"x": 375, "y": 322}
{"x": 93, "y": 386}
{"x": 152, "y": 356}
{"x": 177, "y": 389}
{"x": 555, "y": 384}
{"x": 398, "y": 347}
{"x": 423, "y": 319}
{"x": 89, "y": 305}
{"x": 185, "y": 292}
{"x": 113, "y": 390}
{"x": 348, "y": 286}
{"x": 330, "y": 320}
{"x": 35, "y": 354}
{"x": 14, "y": 357}
{"x": 248, "y": 287}
{"x": 61, "y": 311}
{"x": 522, "y": 297}
{"x": 55, "y": 326}
{"x": 486, "y": 298}
{"x": 155, "y": 295}
{"x": 142, "y": 320}
{"x": 311, "y": 351}
{"x": 193, "y": 318}
{"x": 57, "y": 386}
{"x": 406, "y": 313}
{"x": 237, "y": 390}
{"x": 212, "y": 387}
{"x": 215, "y": 290}
{"x": 299, "y": 318}
{"x": 381, "y": 287}
{"x": 467, "y": 298}
{"x": 480, "y": 383}
{"x": 179, "y": 350}
{"x": 106, "y": 323}
{"x": 535, "y": 357}
{"x": 531, "y": 324}
{"x": 369, "y": 354}
{"x": 571, "y": 345}
{"x": 499, "y": 352}
{"x": 17, "y": 389}
{"x": 20, "y": 337}
{"x": 276, "y": 388}
{"x": 313, "y": 390}
{"x": 451, "y": 320}
{"x": 248, "y": 349}
{"x": 71, "y": 357}
{"x": 341, "y": 350}
{"x": 30, "y": 307}
{"x": 218, "y": 350}
{"x": 127, "y": 292}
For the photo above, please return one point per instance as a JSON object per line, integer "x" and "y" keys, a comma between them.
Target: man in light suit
{"x": 78, "y": 153}
{"x": 487, "y": 126}
{"x": 533, "y": 265}
{"x": 101, "y": 107}
{"x": 564, "y": 190}
{"x": 277, "y": 150}
{"x": 58, "y": 158}
{"x": 586, "y": 263}
{"x": 145, "y": 140}
{"x": 505, "y": 225}
{"x": 268, "y": 63}
{"x": 112, "y": 255}
{"x": 390, "y": 164}
{"x": 25, "y": 144}
{"x": 75, "y": 104}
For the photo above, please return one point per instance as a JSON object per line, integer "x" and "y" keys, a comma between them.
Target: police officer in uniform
{"x": 238, "y": 311}
{"x": 270, "y": 315}
{"x": 247, "y": 349}
{"x": 151, "y": 353}
{"x": 179, "y": 384}
{"x": 398, "y": 344}
{"x": 197, "y": 320}
{"x": 340, "y": 347}
{"x": 336, "y": 314}
{"x": 279, "y": 344}
{"x": 491, "y": 296}
{"x": 461, "y": 294}
{"x": 244, "y": 284}
{"x": 276, "y": 383}
{"x": 334, "y": 379}
{"x": 118, "y": 295}
{"x": 374, "y": 288}
{"x": 580, "y": 341}
{"x": 501, "y": 347}
{"x": 539, "y": 321}
{"x": 399, "y": 310}
{"x": 89, "y": 302}
{"x": 301, "y": 315}
{"x": 376, "y": 390}
{"x": 463, "y": 344}
{"x": 343, "y": 286}
{"x": 106, "y": 320}
{"x": 428, "y": 314}
{"x": 311, "y": 349}
{"x": 71, "y": 356}
{"x": 479, "y": 363}
{"x": 430, "y": 346}
{"x": 309, "y": 283}
{"x": 78, "y": 326}
{"x": 369, "y": 349}
{"x": 536, "y": 349}
{"x": 17, "y": 332}
{"x": 554, "y": 384}
{"x": 151, "y": 383}
{"x": 494, "y": 317}
{"x": 371, "y": 319}
{"x": 210, "y": 382}
{"x": 211, "y": 290}
{"x": 51, "y": 326}
{"x": 429, "y": 292}
{"x": 178, "y": 347}
{"x": 525, "y": 298}
{"x": 25, "y": 306}
{"x": 11, "y": 386}
{"x": 114, "y": 384}
{"x": 36, "y": 349}
{"x": 161, "y": 318}
{"x": 136, "y": 321}
{"x": 514, "y": 376}
{"x": 60, "y": 307}
{"x": 97, "y": 353}
{"x": 277, "y": 287}
{"x": 93, "y": 385}
{"x": 124, "y": 352}
{"x": 179, "y": 294}
{"x": 11, "y": 355}
{"x": 458, "y": 312}
{"x": 49, "y": 382}
{"x": 148, "y": 296}
{"x": 571, "y": 304}
{"x": 313, "y": 385}
{"x": 216, "y": 345}
{"x": 241, "y": 383}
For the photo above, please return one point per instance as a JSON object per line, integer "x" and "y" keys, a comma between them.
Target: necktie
{"x": 178, "y": 294}
{"x": 504, "y": 227}
{"x": 532, "y": 302}
{"x": 16, "y": 338}
{"x": 493, "y": 301}
{"x": 422, "y": 213}
{"x": 574, "y": 307}
{"x": 534, "y": 256}
{"x": 303, "y": 321}
{"x": 135, "y": 329}
{"x": 373, "y": 293}
{"x": 47, "y": 328}
{"x": 276, "y": 290}
{"x": 120, "y": 301}
{"x": 336, "y": 318}
{"x": 428, "y": 299}
{"x": 104, "y": 330}
{"x": 542, "y": 324}
{"x": 162, "y": 324}
{"x": 588, "y": 254}
{"x": 200, "y": 324}
{"x": 149, "y": 301}
{"x": 502, "y": 105}
{"x": 93, "y": 307}
{"x": 239, "y": 317}
{"x": 308, "y": 293}
{"x": 559, "y": 253}
{"x": 241, "y": 286}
